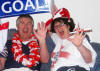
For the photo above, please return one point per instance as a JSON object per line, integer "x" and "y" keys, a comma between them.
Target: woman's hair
{"x": 65, "y": 21}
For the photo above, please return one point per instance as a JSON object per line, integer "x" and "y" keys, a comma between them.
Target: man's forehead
{"x": 25, "y": 19}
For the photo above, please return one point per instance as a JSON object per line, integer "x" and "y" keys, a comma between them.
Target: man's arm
{"x": 3, "y": 56}
{"x": 44, "y": 55}
{"x": 41, "y": 36}
{"x": 2, "y": 62}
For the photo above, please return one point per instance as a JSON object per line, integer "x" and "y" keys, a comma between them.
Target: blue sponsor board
{"x": 11, "y": 8}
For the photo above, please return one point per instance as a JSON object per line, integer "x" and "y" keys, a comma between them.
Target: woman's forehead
{"x": 60, "y": 21}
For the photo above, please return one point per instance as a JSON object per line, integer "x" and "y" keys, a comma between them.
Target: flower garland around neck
{"x": 27, "y": 60}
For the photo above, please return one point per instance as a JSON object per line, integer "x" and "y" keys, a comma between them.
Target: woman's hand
{"x": 77, "y": 41}
{"x": 78, "y": 38}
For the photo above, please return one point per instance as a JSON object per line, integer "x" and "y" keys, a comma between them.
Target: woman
{"x": 72, "y": 51}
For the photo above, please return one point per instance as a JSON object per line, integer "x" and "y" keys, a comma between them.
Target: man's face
{"x": 25, "y": 28}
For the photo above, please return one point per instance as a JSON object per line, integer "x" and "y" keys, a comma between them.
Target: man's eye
{"x": 29, "y": 23}
{"x": 21, "y": 23}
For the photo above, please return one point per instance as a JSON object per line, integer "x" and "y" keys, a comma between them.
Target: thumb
{"x": 69, "y": 39}
{"x": 35, "y": 33}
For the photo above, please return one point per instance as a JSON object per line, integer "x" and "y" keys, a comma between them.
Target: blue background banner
{"x": 11, "y": 8}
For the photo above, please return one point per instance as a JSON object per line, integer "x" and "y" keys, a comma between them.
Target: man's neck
{"x": 25, "y": 39}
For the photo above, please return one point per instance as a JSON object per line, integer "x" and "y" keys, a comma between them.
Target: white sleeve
{"x": 4, "y": 52}
{"x": 1, "y": 41}
{"x": 87, "y": 45}
{"x": 55, "y": 37}
{"x": 3, "y": 33}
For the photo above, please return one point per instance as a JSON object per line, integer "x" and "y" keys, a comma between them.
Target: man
{"x": 23, "y": 51}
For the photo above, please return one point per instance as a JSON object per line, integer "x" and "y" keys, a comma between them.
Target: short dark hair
{"x": 24, "y": 16}
{"x": 65, "y": 21}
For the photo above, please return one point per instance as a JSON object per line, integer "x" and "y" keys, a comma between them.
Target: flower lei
{"x": 27, "y": 60}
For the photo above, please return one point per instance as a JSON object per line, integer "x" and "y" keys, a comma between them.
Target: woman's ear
{"x": 68, "y": 26}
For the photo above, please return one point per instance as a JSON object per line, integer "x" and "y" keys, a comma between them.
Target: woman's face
{"x": 61, "y": 29}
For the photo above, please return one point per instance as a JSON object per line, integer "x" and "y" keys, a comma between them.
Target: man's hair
{"x": 65, "y": 21}
{"x": 24, "y": 16}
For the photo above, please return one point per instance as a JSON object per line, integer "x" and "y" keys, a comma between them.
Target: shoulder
{"x": 55, "y": 38}
{"x": 8, "y": 43}
{"x": 54, "y": 35}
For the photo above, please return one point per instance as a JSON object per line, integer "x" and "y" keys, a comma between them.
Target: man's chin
{"x": 25, "y": 37}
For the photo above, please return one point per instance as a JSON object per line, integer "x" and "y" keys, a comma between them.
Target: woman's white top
{"x": 67, "y": 54}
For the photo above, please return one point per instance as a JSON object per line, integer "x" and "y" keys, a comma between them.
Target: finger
{"x": 77, "y": 32}
{"x": 38, "y": 26}
{"x": 46, "y": 28}
{"x": 35, "y": 33}
{"x": 42, "y": 25}
{"x": 78, "y": 26}
{"x": 81, "y": 32}
{"x": 83, "y": 36}
{"x": 69, "y": 39}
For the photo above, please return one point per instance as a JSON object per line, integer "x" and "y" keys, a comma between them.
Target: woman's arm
{"x": 86, "y": 53}
{"x": 78, "y": 42}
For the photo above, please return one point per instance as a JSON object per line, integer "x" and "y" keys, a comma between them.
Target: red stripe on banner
{"x": 4, "y": 26}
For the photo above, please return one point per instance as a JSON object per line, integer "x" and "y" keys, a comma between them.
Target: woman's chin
{"x": 62, "y": 37}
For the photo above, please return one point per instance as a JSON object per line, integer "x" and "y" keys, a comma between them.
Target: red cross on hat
{"x": 63, "y": 12}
